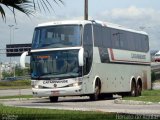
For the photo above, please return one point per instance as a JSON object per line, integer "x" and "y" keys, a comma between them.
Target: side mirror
{"x": 22, "y": 59}
{"x": 81, "y": 57}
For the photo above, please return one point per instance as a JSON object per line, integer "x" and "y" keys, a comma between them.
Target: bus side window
{"x": 88, "y": 48}
{"x": 131, "y": 41}
{"x": 97, "y": 30}
{"x": 144, "y": 43}
{"x": 106, "y": 37}
{"x": 115, "y": 38}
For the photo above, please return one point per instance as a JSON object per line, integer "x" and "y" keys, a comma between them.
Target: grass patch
{"x": 40, "y": 114}
{"x": 157, "y": 81}
{"x": 18, "y": 84}
{"x": 18, "y": 113}
{"x": 147, "y": 96}
{"x": 151, "y": 93}
{"x": 17, "y": 96}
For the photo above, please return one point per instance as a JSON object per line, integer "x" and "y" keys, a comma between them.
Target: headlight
{"x": 35, "y": 86}
{"x": 75, "y": 84}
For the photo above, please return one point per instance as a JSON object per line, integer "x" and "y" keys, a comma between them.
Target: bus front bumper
{"x": 69, "y": 91}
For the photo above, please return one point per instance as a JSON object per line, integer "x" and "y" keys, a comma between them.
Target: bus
{"x": 88, "y": 58}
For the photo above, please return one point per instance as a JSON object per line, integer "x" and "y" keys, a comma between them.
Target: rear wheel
{"x": 139, "y": 90}
{"x": 133, "y": 89}
{"x": 53, "y": 98}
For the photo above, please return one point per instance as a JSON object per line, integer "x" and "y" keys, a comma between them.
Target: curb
{"x": 132, "y": 102}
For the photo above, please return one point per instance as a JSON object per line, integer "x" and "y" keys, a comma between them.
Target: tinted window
{"x": 88, "y": 48}
{"x": 120, "y": 39}
{"x": 106, "y": 37}
{"x": 123, "y": 39}
{"x": 137, "y": 42}
{"x": 87, "y": 36}
{"x": 57, "y": 36}
{"x": 131, "y": 41}
{"x": 97, "y": 35}
{"x": 55, "y": 64}
{"x": 146, "y": 43}
{"x": 115, "y": 37}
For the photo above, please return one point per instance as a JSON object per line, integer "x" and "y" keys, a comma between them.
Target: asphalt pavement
{"x": 83, "y": 104}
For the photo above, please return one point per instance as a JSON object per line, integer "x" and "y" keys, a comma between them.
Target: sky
{"x": 135, "y": 14}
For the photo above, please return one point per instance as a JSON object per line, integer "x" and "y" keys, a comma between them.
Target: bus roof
{"x": 67, "y": 22}
{"x": 79, "y": 22}
{"x": 120, "y": 27}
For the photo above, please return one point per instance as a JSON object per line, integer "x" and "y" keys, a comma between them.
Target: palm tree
{"x": 27, "y": 7}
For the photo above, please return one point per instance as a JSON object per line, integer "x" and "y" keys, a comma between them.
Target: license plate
{"x": 55, "y": 93}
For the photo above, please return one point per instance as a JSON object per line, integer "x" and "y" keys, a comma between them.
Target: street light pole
{"x": 14, "y": 64}
{"x": 14, "y": 34}
{"x": 10, "y": 26}
{"x": 86, "y": 10}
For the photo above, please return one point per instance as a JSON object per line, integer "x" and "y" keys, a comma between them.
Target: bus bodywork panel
{"x": 117, "y": 76}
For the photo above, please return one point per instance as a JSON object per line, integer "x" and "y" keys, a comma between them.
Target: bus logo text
{"x": 138, "y": 56}
{"x": 55, "y": 81}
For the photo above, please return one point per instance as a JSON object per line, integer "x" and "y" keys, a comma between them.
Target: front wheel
{"x": 53, "y": 98}
{"x": 96, "y": 94}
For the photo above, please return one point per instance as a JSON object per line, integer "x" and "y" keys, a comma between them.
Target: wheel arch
{"x": 133, "y": 79}
{"x": 139, "y": 81}
{"x": 97, "y": 80}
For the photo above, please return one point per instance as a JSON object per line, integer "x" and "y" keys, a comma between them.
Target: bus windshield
{"x": 55, "y": 65}
{"x": 57, "y": 36}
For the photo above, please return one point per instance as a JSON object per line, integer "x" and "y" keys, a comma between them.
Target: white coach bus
{"x": 88, "y": 58}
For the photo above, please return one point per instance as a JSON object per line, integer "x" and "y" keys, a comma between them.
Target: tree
{"x": 27, "y": 7}
{"x": 7, "y": 74}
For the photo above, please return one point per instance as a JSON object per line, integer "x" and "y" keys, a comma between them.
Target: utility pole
{"x": 0, "y": 72}
{"x": 86, "y": 10}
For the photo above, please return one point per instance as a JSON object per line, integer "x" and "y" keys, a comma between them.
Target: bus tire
{"x": 139, "y": 88}
{"x": 53, "y": 98}
{"x": 133, "y": 89}
{"x": 96, "y": 94}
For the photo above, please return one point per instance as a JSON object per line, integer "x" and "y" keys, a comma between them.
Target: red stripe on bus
{"x": 112, "y": 55}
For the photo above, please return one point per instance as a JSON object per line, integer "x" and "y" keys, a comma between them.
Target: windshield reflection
{"x": 57, "y": 36}
{"x": 55, "y": 64}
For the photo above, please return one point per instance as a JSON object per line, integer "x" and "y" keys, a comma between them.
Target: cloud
{"x": 142, "y": 15}
{"x": 134, "y": 17}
